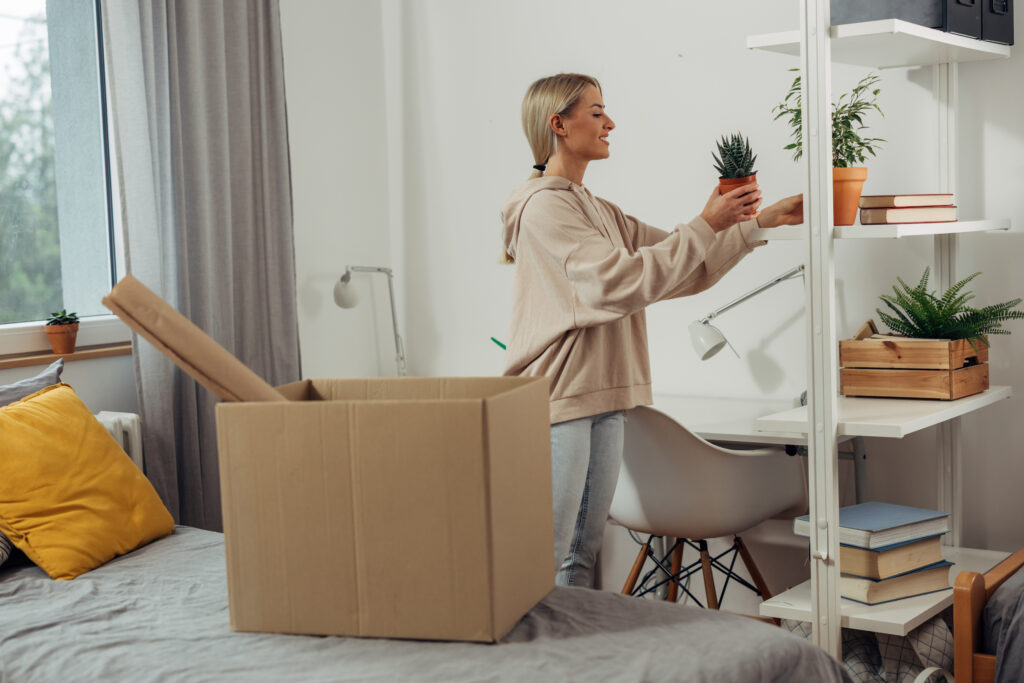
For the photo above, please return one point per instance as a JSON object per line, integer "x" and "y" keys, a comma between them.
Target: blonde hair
{"x": 556, "y": 94}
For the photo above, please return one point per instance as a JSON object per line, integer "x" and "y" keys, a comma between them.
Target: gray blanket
{"x": 1002, "y": 630}
{"x": 160, "y": 614}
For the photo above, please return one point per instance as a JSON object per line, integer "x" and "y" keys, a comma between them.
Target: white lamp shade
{"x": 707, "y": 339}
{"x": 345, "y": 293}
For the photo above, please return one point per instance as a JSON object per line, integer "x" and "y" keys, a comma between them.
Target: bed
{"x": 988, "y": 620}
{"x": 160, "y": 613}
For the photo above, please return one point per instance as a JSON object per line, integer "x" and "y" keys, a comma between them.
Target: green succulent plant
{"x": 62, "y": 317}
{"x": 849, "y": 147}
{"x": 920, "y": 313}
{"x": 734, "y": 158}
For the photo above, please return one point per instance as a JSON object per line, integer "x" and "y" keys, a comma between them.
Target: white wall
{"x": 334, "y": 75}
{"x": 675, "y": 76}
{"x": 102, "y": 384}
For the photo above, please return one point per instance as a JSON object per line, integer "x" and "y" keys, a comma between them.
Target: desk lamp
{"x": 346, "y": 296}
{"x": 708, "y": 339}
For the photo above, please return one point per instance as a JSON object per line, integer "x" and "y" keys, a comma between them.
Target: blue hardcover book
{"x": 876, "y": 525}
{"x": 928, "y": 579}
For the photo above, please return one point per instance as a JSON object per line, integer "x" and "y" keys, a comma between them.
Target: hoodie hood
{"x": 512, "y": 208}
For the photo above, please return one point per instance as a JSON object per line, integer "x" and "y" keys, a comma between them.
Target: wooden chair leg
{"x": 709, "y": 579}
{"x": 677, "y": 563}
{"x": 755, "y": 574}
{"x": 634, "y": 573}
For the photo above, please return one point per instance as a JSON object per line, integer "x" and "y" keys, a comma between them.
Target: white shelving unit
{"x": 887, "y": 43}
{"x": 891, "y": 418}
{"x": 829, "y": 417}
{"x": 898, "y": 617}
{"x": 890, "y": 231}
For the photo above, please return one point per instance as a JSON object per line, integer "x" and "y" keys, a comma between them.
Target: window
{"x": 55, "y": 219}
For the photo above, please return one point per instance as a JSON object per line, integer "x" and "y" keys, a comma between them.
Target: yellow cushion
{"x": 70, "y": 497}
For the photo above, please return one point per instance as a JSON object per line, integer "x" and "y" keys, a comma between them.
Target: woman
{"x": 585, "y": 272}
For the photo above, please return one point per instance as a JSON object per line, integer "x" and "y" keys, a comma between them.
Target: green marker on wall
{"x": 497, "y": 342}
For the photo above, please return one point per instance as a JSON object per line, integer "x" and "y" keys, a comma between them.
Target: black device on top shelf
{"x": 990, "y": 20}
{"x": 963, "y": 17}
{"x": 997, "y": 21}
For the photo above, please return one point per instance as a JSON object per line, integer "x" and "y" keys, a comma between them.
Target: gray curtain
{"x": 199, "y": 125}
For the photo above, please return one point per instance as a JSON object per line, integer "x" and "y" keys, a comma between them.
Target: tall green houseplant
{"x": 850, "y": 146}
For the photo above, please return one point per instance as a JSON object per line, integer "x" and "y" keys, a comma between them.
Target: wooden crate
{"x": 901, "y": 367}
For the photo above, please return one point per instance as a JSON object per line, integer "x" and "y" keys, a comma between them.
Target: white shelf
{"x": 885, "y": 417}
{"x": 890, "y": 231}
{"x": 898, "y": 617}
{"x": 895, "y": 231}
{"x": 888, "y": 43}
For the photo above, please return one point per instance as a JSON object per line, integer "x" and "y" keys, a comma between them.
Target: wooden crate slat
{"x": 938, "y": 354}
{"x": 911, "y": 383}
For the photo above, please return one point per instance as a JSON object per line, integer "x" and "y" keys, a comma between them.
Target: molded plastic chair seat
{"x": 675, "y": 484}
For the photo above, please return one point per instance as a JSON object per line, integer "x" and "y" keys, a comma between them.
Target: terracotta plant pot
{"x": 726, "y": 184}
{"x": 62, "y": 337}
{"x": 846, "y": 186}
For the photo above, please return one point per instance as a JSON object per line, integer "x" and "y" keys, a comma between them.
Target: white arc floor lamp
{"x": 346, "y": 296}
{"x": 708, "y": 339}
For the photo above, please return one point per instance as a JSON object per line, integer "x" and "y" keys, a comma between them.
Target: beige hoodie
{"x": 584, "y": 274}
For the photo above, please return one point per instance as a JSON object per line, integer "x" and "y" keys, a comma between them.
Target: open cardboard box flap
{"x": 183, "y": 342}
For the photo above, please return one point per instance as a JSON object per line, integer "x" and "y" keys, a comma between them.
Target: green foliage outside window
{"x": 30, "y": 268}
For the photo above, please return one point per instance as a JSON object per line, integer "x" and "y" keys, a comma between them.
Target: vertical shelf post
{"x": 947, "y": 450}
{"x": 822, "y": 371}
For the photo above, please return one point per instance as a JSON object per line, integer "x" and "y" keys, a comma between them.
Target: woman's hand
{"x": 725, "y": 210}
{"x": 788, "y": 211}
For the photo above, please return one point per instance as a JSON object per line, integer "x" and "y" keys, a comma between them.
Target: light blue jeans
{"x": 585, "y": 458}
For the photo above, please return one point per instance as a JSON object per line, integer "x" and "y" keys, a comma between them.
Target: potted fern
{"x": 850, "y": 148}
{"x": 62, "y": 330}
{"x": 938, "y": 349}
{"x": 734, "y": 162}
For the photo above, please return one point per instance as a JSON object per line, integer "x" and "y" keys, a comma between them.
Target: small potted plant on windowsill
{"x": 734, "y": 162}
{"x": 849, "y": 148}
{"x": 62, "y": 329}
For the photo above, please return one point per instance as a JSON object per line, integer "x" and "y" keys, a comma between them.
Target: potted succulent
{"x": 734, "y": 162}
{"x": 849, "y": 148}
{"x": 62, "y": 329}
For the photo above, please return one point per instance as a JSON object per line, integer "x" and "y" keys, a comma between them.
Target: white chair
{"x": 674, "y": 484}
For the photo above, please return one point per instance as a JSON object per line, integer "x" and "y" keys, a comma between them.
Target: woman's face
{"x": 587, "y": 126}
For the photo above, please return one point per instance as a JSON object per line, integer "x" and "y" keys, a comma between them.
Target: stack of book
{"x": 888, "y": 552}
{"x": 880, "y": 209}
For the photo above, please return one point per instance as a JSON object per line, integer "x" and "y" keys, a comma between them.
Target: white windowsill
{"x": 30, "y": 337}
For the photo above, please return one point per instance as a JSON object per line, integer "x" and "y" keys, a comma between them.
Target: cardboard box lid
{"x": 183, "y": 342}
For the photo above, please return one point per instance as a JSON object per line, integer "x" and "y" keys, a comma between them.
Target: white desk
{"x": 731, "y": 421}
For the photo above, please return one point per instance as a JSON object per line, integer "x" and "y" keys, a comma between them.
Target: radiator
{"x": 126, "y": 428}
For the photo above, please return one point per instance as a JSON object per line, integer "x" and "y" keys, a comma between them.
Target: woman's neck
{"x": 570, "y": 169}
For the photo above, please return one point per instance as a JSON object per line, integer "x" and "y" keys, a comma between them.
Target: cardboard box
{"x": 406, "y": 508}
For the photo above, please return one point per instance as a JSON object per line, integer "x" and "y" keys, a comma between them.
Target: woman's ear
{"x": 557, "y": 124}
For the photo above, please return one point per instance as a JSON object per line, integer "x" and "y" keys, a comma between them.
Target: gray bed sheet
{"x": 160, "y": 614}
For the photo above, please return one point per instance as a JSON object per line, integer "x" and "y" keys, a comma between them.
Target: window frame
{"x": 29, "y": 337}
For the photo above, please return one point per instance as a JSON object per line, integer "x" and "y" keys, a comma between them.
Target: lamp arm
{"x": 399, "y": 346}
{"x": 788, "y": 275}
